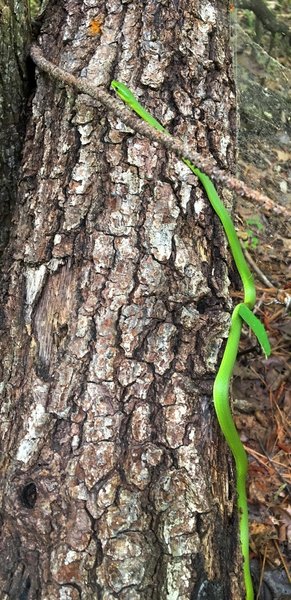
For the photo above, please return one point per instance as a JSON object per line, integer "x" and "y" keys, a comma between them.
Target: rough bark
{"x": 14, "y": 40}
{"x": 115, "y": 478}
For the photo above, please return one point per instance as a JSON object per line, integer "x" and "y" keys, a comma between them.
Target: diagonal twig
{"x": 175, "y": 145}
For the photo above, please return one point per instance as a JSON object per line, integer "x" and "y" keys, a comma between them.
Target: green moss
{"x": 35, "y": 6}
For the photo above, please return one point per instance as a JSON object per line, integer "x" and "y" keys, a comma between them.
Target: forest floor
{"x": 262, "y": 387}
{"x": 262, "y": 391}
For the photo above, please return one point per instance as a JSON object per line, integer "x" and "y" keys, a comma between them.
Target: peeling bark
{"x": 115, "y": 296}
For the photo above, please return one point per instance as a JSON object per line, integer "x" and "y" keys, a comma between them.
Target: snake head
{"x": 123, "y": 92}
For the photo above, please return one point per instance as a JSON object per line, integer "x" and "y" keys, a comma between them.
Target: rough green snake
{"x": 242, "y": 312}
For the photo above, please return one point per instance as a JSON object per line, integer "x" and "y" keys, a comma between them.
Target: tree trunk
{"x": 115, "y": 475}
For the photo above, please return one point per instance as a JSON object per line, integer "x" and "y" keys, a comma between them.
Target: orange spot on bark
{"x": 95, "y": 26}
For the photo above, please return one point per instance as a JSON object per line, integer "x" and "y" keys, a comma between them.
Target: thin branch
{"x": 255, "y": 267}
{"x": 174, "y": 145}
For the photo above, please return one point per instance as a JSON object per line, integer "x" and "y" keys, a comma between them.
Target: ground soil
{"x": 262, "y": 387}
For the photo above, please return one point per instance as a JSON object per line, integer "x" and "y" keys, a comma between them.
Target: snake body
{"x": 242, "y": 312}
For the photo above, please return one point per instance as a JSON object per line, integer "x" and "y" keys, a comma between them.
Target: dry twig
{"x": 175, "y": 145}
{"x": 260, "y": 273}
